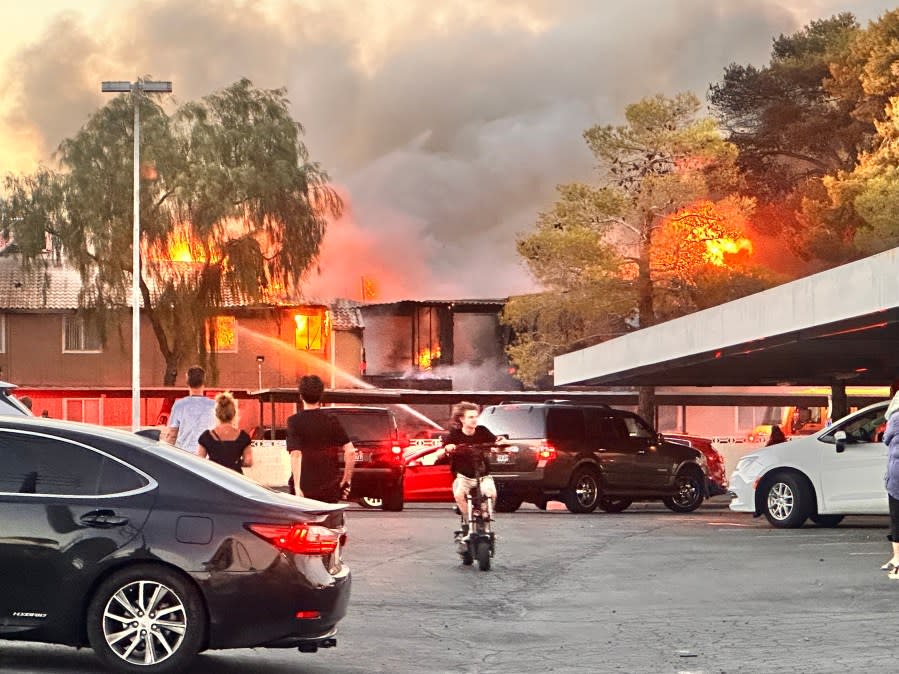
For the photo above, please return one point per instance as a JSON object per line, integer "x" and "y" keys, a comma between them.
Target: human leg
{"x": 893, "y": 564}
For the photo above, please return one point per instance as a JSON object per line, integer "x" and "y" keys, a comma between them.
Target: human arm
{"x": 892, "y": 428}
{"x": 246, "y": 457}
{"x": 296, "y": 466}
{"x": 169, "y": 434}
{"x": 349, "y": 462}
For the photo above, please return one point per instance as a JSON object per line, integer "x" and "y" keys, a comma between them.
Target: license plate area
{"x": 362, "y": 457}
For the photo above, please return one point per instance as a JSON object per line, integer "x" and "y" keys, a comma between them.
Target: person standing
{"x": 191, "y": 415}
{"x": 891, "y": 440}
{"x": 226, "y": 444}
{"x": 313, "y": 439}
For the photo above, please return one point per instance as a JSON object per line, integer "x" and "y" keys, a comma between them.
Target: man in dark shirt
{"x": 464, "y": 444}
{"x": 313, "y": 439}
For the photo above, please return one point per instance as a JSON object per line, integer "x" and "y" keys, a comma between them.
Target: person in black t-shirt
{"x": 465, "y": 446}
{"x": 313, "y": 439}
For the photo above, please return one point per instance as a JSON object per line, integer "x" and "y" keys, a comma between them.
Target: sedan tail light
{"x": 545, "y": 454}
{"x": 302, "y": 539}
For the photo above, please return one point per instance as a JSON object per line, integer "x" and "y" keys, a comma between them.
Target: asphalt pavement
{"x": 646, "y": 590}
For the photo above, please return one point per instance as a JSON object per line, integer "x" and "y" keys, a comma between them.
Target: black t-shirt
{"x": 319, "y": 436}
{"x": 466, "y": 458}
{"x": 228, "y": 453}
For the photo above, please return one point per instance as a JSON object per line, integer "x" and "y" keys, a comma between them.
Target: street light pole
{"x": 136, "y": 88}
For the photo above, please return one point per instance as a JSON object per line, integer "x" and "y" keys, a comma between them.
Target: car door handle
{"x": 103, "y": 519}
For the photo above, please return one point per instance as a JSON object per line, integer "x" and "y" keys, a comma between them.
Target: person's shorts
{"x": 462, "y": 485}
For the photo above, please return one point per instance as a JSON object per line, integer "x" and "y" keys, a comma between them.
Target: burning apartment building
{"x": 437, "y": 345}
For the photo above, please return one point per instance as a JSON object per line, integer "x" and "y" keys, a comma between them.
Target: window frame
{"x": 83, "y": 335}
{"x": 151, "y": 482}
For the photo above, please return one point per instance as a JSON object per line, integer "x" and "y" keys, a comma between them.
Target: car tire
{"x": 787, "y": 501}
{"x": 826, "y": 520}
{"x": 610, "y": 504}
{"x": 508, "y": 504}
{"x": 393, "y": 499}
{"x": 689, "y": 494}
{"x": 370, "y": 502}
{"x": 158, "y": 588}
{"x": 582, "y": 494}
{"x": 483, "y": 554}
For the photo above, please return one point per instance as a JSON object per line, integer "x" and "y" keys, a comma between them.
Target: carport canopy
{"x": 839, "y": 326}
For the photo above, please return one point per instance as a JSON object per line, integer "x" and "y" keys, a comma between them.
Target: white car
{"x": 835, "y": 472}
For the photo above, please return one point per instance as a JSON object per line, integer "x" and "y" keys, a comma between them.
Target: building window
{"x": 309, "y": 330}
{"x": 80, "y": 336}
{"x": 2, "y": 333}
{"x": 225, "y": 334}
{"x": 88, "y": 410}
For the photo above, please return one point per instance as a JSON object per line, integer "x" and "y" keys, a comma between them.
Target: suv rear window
{"x": 515, "y": 421}
{"x": 365, "y": 426}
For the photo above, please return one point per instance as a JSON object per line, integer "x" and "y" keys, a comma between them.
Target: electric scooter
{"x": 480, "y": 543}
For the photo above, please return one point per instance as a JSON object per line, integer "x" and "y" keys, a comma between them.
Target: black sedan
{"x": 149, "y": 554}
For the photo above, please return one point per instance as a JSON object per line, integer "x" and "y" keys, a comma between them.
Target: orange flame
{"x": 427, "y": 357}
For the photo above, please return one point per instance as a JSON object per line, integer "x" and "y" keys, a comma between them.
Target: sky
{"x": 445, "y": 126}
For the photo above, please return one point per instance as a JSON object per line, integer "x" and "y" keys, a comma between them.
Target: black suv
{"x": 589, "y": 456}
{"x": 379, "y": 467}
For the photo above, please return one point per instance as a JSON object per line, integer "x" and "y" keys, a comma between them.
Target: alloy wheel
{"x": 781, "y": 501}
{"x": 144, "y": 622}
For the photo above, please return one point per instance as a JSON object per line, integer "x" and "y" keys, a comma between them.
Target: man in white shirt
{"x": 191, "y": 415}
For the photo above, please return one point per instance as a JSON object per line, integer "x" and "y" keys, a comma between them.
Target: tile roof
{"x": 51, "y": 287}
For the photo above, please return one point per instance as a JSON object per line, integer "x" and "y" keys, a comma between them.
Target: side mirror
{"x": 840, "y": 437}
{"x": 413, "y": 463}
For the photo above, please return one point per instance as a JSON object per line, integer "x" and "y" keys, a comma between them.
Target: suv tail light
{"x": 545, "y": 454}
{"x": 302, "y": 539}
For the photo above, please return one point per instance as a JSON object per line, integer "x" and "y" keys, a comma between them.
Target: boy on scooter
{"x": 464, "y": 445}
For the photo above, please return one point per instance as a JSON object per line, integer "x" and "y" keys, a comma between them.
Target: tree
{"x": 228, "y": 179}
{"x": 867, "y": 189}
{"x": 788, "y": 125}
{"x": 596, "y": 251}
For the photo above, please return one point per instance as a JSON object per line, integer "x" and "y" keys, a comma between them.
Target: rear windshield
{"x": 515, "y": 421}
{"x": 366, "y": 426}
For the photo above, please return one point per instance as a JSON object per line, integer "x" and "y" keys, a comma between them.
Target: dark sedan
{"x": 149, "y": 554}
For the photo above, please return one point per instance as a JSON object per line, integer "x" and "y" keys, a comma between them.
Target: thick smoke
{"x": 447, "y": 125}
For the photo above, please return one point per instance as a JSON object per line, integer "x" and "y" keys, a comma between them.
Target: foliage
{"x": 623, "y": 253}
{"x": 787, "y": 125}
{"x": 227, "y": 179}
{"x": 860, "y": 202}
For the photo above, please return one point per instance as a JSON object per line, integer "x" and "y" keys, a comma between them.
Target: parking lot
{"x": 646, "y": 590}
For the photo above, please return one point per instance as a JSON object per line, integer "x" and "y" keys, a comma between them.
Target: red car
{"x": 717, "y": 472}
{"x": 427, "y": 477}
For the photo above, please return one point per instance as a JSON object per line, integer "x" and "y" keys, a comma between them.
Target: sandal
{"x": 889, "y": 566}
{"x": 893, "y": 574}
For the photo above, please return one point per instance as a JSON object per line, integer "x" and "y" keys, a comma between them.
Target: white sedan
{"x": 835, "y": 472}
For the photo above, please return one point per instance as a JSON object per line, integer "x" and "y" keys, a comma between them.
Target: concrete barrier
{"x": 271, "y": 463}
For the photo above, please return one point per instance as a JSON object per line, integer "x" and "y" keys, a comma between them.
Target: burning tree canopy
{"x": 620, "y": 254}
{"x": 231, "y": 208}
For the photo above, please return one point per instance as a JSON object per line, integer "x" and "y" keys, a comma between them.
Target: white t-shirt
{"x": 191, "y": 416}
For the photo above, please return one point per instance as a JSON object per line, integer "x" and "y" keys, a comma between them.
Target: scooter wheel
{"x": 467, "y": 559}
{"x": 483, "y": 553}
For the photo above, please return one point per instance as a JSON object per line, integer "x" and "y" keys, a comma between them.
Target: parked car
{"x": 714, "y": 460}
{"x": 379, "y": 469}
{"x": 10, "y": 405}
{"x": 589, "y": 456}
{"x": 428, "y": 476}
{"x": 149, "y": 554}
{"x": 835, "y": 472}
